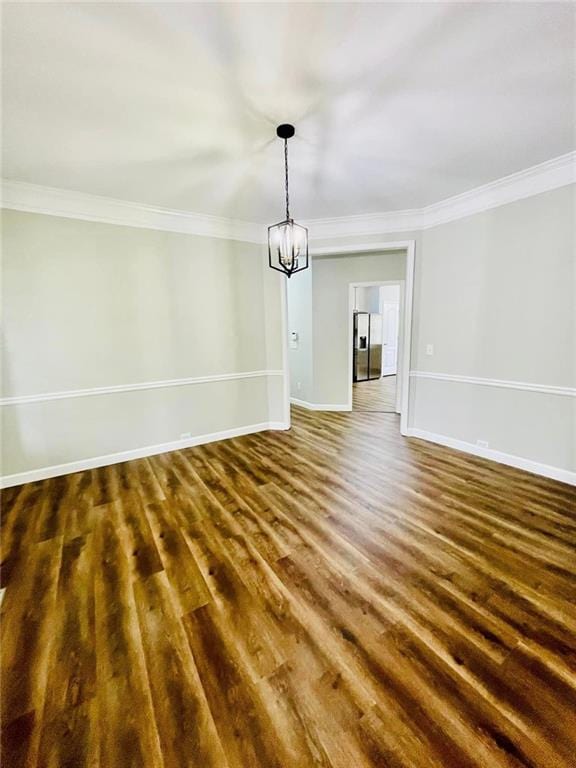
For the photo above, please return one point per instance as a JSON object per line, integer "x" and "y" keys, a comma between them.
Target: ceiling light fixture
{"x": 287, "y": 241}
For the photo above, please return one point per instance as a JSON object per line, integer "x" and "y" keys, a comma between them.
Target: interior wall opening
{"x": 320, "y": 324}
{"x": 376, "y": 329}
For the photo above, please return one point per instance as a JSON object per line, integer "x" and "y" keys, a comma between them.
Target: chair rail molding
{"x": 93, "y": 391}
{"x": 548, "y": 389}
{"x": 33, "y": 198}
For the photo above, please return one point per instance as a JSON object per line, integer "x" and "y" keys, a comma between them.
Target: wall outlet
{"x": 429, "y": 349}
{"x": 185, "y": 435}
{"x": 482, "y": 443}
{"x": 299, "y": 386}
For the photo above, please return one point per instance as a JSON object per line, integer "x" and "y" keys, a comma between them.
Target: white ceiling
{"x": 175, "y": 105}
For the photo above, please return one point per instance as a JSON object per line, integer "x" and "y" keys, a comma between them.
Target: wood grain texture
{"x": 375, "y": 396}
{"x": 334, "y": 596}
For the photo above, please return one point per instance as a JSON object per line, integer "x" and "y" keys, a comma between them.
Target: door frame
{"x": 406, "y": 310}
{"x": 382, "y": 304}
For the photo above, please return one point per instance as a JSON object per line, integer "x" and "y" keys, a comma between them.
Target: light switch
{"x": 293, "y": 340}
{"x": 429, "y": 349}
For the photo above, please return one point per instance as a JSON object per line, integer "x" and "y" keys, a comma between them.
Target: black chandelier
{"x": 287, "y": 241}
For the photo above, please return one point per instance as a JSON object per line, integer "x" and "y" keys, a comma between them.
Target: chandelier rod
{"x": 286, "y": 178}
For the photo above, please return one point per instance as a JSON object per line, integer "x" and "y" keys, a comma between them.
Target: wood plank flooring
{"x": 334, "y": 596}
{"x": 377, "y": 395}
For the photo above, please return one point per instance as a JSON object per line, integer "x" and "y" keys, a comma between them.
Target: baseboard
{"x": 301, "y": 403}
{"x": 43, "y": 473}
{"x": 320, "y": 406}
{"x": 278, "y": 426}
{"x": 545, "y": 470}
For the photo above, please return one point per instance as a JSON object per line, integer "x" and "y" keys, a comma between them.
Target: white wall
{"x": 90, "y": 305}
{"x": 299, "y": 295}
{"x": 367, "y": 298}
{"x": 331, "y": 318}
{"x": 496, "y": 297}
{"x": 319, "y": 363}
{"x": 96, "y": 305}
{"x": 389, "y": 293}
{"x": 495, "y": 294}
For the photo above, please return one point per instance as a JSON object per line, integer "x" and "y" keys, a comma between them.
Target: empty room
{"x": 288, "y": 398}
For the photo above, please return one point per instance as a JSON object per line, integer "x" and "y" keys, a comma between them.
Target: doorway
{"x": 318, "y": 369}
{"x": 375, "y": 344}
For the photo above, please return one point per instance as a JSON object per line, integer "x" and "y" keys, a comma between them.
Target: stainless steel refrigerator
{"x": 367, "y": 349}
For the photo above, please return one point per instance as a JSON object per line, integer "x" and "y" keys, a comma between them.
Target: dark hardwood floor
{"x": 331, "y": 596}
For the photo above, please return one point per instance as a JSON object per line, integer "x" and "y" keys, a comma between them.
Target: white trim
{"x": 137, "y": 453}
{"x": 320, "y": 406}
{"x": 554, "y": 173}
{"x": 278, "y": 426}
{"x": 32, "y": 198}
{"x": 555, "y": 473}
{"x": 90, "y": 392}
{"x": 500, "y": 383}
{"x": 558, "y": 172}
{"x": 362, "y": 225}
{"x": 406, "y": 298}
{"x": 404, "y": 379}
{"x": 285, "y": 360}
{"x": 337, "y": 250}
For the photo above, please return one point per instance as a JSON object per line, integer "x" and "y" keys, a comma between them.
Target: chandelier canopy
{"x": 287, "y": 241}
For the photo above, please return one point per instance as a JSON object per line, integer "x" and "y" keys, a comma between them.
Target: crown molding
{"x": 558, "y": 172}
{"x": 365, "y": 224}
{"x": 32, "y": 198}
